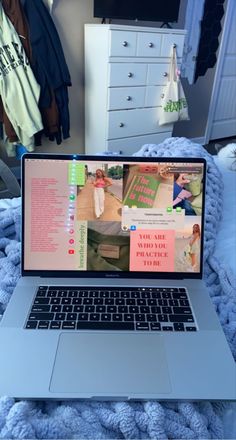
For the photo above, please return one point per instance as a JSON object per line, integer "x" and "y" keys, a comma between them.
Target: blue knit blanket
{"x": 144, "y": 420}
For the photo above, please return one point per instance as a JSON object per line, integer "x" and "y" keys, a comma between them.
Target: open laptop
{"x": 111, "y": 304}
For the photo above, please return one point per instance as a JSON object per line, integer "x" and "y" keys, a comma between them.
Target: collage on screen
{"x": 137, "y": 217}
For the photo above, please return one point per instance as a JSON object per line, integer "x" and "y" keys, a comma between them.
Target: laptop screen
{"x": 105, "y": 215}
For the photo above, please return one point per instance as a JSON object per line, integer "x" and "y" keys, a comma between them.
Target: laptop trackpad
{"x": 106, "y": 364}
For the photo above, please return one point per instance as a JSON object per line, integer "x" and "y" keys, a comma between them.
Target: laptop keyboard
{"x": 102, "y": 308}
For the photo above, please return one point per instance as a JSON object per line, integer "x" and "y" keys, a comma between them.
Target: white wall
{"x": 69, "y": 17}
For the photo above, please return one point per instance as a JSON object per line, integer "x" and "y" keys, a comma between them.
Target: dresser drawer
{"x": 127, "y": 74}
{"x": 134, "y": 122}
{"x": 126, "y": 97}
{"x": 148, "y": 44}
{"x": 157, "y": 74}
{"x": 122, "y": 43}
{"x": 132, "y": 144}
{"x": 154, "y": 96}
{"x": 167, "y": 44}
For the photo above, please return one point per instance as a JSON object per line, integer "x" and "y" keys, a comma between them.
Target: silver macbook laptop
{"x": 111, "y": 304}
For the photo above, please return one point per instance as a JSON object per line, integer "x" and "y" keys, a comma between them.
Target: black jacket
{"x": 49, "y": 64}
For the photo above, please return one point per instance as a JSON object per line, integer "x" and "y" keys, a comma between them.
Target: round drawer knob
{"x": 150, "y": 45}
{"x": 125, "y": 43}
{"x": 130, "y": 74}
{"x": 165, "y": 74}
{"x": 128, "y": 98}
{"x": 122, "y": 124}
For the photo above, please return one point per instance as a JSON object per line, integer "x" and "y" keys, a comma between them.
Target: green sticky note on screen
{"x": 142, "y": 191}
{"x": 76, "y": 174}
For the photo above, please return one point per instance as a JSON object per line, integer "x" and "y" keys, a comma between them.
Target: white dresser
{"x": 126, "y": 68}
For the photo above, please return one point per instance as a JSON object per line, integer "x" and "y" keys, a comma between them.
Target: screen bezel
{"x": 136, "y": 16}
{"x": 109, "y": 274}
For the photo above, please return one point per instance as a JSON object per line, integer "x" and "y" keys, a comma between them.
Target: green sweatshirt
{"x": 18, "y": 87}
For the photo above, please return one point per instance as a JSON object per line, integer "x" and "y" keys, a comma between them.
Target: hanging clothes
{"x": 19, "y": 89}
{"x": 50, "y": 115}
{"x": 14, "y": 12}
{"x": 49, "y": 66}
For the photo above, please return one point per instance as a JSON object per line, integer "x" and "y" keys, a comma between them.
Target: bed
{"x": 148, "y": 419}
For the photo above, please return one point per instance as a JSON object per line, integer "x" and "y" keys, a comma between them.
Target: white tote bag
{"x": 174, "y": 106}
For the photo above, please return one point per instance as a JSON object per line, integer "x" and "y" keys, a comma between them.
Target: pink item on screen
{"x": 152, "y": 250}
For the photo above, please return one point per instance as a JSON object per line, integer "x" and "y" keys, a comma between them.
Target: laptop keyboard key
{"x": 155, "y": 326}
{"x": 134, "y": 294}
{"x": 73, "y": 294}
{"x": 128, "y": 317}
{"x": 43, "y": 325}
{"x": 142, "y": 326}
{"x": 117, "y": 317}
{"x": 167, "y": 310}
{"x": 92, "y": 325}
{"x": 163, "y": 302}
{"x": 67, "y": 309}
{"x": 68, "y": 325}
{"x": 78, "y": 309}
{"x": 191, "y": 329}
{"x": 98, "y": 301}
{"x": 183, "y": 302}
{"x": 100, "y": 309}
{"x": 41, "y": 293}
{"x": 145, "y": 295}
{"x": 179, "y": 295}
{"x": 93, "y": 294}
{"x": 143, "y": 309}
{"x": 122, "y": 309}
{"x": 87, "y": 301}
{"x": 40, "y": 308}
{"x": 66, "y": 301}
{"x": 166, "y": 295}
{"x": 163, "y": 318}
{"x": 151, "y": 317}
{"x": 181, "y": 318}
{"x": 155, "y": 309}
{"x": 41, "y": 300}
{"x": 77, "y": 301}
{"x": 140, "y": 317}
{"x": 141, "y": 302}
{"x": 55, "y": 301}
{"x": 89, "y": 309}
{"x": 182, "y": 310}
{"x": 55, "y": 325}
{"x": 109, "y": 301}
{"x": 56, "y": 309}
{"x": 60, "y": 316}
{"x": 174, "y": 302}
{"x": 105, "y": 317}
{"x": 135, "y": 309}
{"x": 112, "y": 309}
{"x": 71, "y": 316}
{"x": 41, "y": 316}
{"x": 167, "y": 328}
{"x": 52, "y": 294}
{"x": 94, "y": 317}
{"x": 83, "y": 317}
{"x": 179, "y": 326}
{"x": 31, "y": 324}
{"x": 125, "y": 294}
{"x": 62, "y": 294}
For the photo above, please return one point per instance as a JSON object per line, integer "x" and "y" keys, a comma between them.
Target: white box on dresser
{"x": 126, "y": 68}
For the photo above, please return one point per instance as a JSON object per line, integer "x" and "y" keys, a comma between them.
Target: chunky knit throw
{"x": 144, "y": 420}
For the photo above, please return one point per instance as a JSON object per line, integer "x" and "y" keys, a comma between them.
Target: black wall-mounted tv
{"x": 144, "y": 10}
